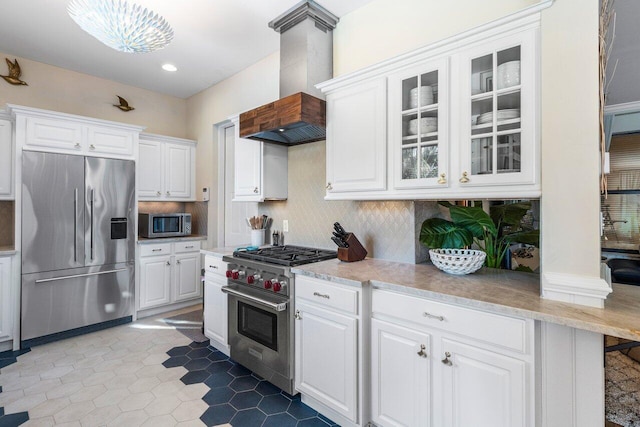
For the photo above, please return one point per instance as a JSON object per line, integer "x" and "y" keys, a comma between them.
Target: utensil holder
{"x": 355, "y": 251}
{"x": 257, "y": 237}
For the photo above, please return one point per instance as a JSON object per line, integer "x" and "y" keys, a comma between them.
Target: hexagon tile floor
{"x": 116, "y": 377}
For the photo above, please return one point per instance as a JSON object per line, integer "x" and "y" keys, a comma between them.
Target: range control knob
{"x": 229, "y": 274}
{"x": 277, "y": 287}
{"x": 235, "y": 275}
{"x": 250, "y": 280}
{"x": 267, "y": 284}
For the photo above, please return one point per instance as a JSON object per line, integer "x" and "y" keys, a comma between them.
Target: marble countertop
{"x": 145, "y": 240}
{"x": 499, "y": 291}
{"x": 7, "y": 250}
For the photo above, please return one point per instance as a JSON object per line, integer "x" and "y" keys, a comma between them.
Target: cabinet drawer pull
{"x": 156, "y": 250}
{"x": 158, "y": 193}
{"x": 446, "y": 359}
{"x": 213, "y": 266}
{"x": 168, "y": 193}
{"x": 464, "y": 178}
{"x": 433, "y": 316}
{"x": 319, "y": 295}
{"x": 297, "y": 315}
{"x": 422, "y": 352}
{"x": 77, "y": 145}
{"x": 189, "y": 247}
{"x": 255, "y": 190}
{"x": 443, "y": 179}
{"x": 92, "y": 147}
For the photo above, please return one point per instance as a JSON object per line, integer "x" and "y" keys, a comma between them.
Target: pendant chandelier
{"x": 121, "y": 26}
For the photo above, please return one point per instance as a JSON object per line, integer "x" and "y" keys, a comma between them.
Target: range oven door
{"x": 260, "y": 334}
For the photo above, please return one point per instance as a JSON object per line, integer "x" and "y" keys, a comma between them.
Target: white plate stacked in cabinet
{"x": 437, "y": 364}
{"x": 331, "y": 334}
{"x": 215, "y": 303}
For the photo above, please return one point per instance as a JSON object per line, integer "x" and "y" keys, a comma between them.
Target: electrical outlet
{"x": 285, "y": 225}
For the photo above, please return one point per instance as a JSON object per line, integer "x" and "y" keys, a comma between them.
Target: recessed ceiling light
{"x": 169, "y": 67}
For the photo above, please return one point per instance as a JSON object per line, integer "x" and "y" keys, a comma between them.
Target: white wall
{"x": 57, "y": 89}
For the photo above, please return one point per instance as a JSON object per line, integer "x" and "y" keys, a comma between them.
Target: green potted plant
{"x": 471, "y": 224}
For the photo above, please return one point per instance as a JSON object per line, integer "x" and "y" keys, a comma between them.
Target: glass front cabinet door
{"x": 498, "y": 140}
{"x": 418, "y": 125}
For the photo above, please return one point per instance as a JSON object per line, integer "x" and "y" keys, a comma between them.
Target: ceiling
{"x": 213, "y": 40}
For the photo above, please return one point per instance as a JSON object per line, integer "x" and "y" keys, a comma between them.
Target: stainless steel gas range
{"x": 260, "y": 288}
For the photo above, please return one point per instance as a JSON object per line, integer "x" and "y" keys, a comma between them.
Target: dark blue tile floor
{"x": 238, "y": 396}
{"x": 11, "y": 420}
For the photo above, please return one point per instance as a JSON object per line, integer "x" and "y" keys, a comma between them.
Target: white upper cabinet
{"x": 498, "y": 140}
{"x": 260, "y": 169}
{"x": 356, "y": 138}
{"x": 419, "y": 125}
{"x": 166, "y": 168}
{"x": 462, "y": 120}
{"x": 6, "y": 160}
{"x": 42, "y": 130}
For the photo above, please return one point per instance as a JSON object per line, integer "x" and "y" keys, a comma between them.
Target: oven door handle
{"x": 272, "y": 305}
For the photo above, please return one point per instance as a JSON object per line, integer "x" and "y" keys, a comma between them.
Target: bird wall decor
{"x": 124, "y": 105}
{"x": 14, "y": 73}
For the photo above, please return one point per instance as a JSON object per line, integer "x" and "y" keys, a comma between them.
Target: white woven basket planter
{"x": 457, "y": 261}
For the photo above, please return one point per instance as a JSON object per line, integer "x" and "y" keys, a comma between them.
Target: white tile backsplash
{"x": 387, "y": 229}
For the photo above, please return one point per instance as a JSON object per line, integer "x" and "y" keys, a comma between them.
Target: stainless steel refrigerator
{"x": 78, "y": 242}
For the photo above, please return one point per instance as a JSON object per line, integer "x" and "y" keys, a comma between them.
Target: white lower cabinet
{"x": 6, "y": 305}
{"x": 169, "y": 273}
{"x": 328, "y": 343}
{"x": 430, "y": 368}
{"x": 401, "y": 376}
{"x": 215, "y": 303}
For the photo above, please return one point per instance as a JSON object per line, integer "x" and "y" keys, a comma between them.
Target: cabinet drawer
{"x": 215, "y": 265}
{"x": 504, "y": 331}
{"x": 326, "y": 294}
{"x": 189, "y": 246}
{"x": 152, "y": 249}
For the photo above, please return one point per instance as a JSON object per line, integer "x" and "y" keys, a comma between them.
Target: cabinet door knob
{"x": 92, "y": 147}
{"x": 255, "y": 190}
{"x": 168, "y": 193}
{"x": 297, "y": 315}
{"x": 178, "y": 262}
{"x": 464, "y": 178}
{"x": 422, "y": 352}
{"x": 77, "y": 145}
{"x": 329, "y": 187}
{"x": 443, "y": 179}
{"x": 446, "y": 359}
{"x": 168, "y": 262}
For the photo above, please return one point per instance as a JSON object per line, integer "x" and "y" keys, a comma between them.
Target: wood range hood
{"x": 306, "y": 58}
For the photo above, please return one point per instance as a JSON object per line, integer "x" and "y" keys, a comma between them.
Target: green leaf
{"x": 440, "y": 233}
{"x": 530, "y": 237}
{"x": 474, "y": 219}
{"x": 509, "y": 214}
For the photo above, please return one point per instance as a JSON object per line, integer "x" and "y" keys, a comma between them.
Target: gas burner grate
{"x": 289, "y": 256}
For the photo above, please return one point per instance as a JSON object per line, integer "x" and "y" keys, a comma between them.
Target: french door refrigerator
{"x": 78, "y": 243}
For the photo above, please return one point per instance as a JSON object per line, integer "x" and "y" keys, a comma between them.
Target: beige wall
{"x": 570, "y": 157}
{"x": 252, "y": 87}
{"x": 57, "y": 89}
{"x": 386, "y": 28}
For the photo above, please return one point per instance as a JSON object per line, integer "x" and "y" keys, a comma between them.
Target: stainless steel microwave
{"x": 152, "y": 225}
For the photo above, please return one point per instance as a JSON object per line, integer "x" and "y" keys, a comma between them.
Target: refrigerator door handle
{"x": 91, "y": 220}
{"x": 73, "y": 276}
{"x": 75, "y": 225}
